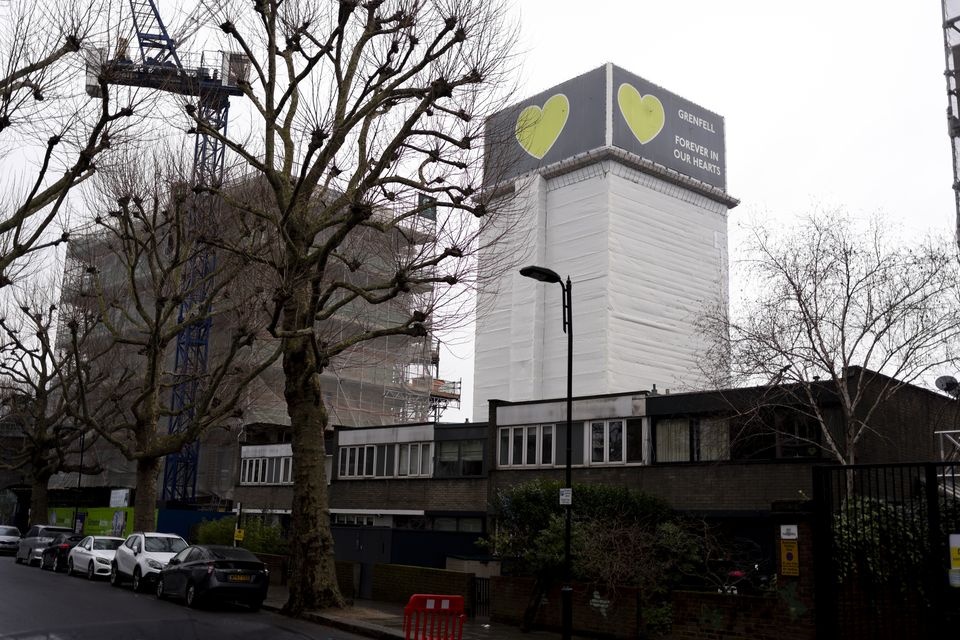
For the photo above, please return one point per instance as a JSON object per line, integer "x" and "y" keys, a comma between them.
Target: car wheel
{"x": 137, "y": 582}
{"x": 114, "y": 575}
{"x": 91, "y": 574}
{"x": 191, "y": 596}
{"x": 56, "y": 563}
{"x": 43, "y": 563}
{"x": 70, "y": 570}
{"x": 160, "y": 594}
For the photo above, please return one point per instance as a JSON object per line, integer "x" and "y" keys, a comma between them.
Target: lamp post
{"x": 566, "y": 494}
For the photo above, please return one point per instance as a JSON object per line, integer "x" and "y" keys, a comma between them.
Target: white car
{"x": 92, "y": 556}
{"x": 9, "y": 539}
{"x": 142, "y": 555}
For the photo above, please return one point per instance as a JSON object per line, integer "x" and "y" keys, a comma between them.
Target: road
{"x": 41, "y": 605}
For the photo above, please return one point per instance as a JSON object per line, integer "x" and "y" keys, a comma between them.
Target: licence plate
{"x": 239, "y": 578}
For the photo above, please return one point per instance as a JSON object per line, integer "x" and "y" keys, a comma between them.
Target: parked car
{"x": 54, "y": 555}
{"x": 32, "y": 543}
{"x": 9, "y": 539}
{"x": 202, "y": 573}
{"x": 141, "y": 557}
{"x": 93, "y": 556}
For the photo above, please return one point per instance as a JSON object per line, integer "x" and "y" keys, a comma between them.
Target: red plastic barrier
{"x": 433, "y": 617}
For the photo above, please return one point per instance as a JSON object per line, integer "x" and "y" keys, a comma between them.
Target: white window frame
{"x": 606, "y": 442}
{"x": 368, "y": 456}
{"x": 523, "y": 431}
{"x": 272, "y": 470}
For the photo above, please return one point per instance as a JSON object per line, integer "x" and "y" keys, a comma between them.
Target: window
{"x": 673, "y": 440}
{"x": 686, "y": 439}
{"x": 713, "y": 439}
{"x": 634, "y": 440}
{"x": 471, "y": 457}
{"x": 606, "y": 441}
{"x": 546, "y": 444}
{"x": 273, "y": 470}
{"x": 459, "y": 458}
{"x": 370, "y": 461}
{"x": 533, "y": 445}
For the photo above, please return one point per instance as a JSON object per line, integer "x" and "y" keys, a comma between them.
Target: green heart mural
{"x": 644, "y": 114}
{"x": 537, "y": 129}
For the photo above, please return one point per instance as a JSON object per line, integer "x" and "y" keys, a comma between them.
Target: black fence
{"x": 881, "y": 551}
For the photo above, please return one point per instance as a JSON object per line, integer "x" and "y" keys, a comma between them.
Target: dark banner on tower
{"x": 608, "y": 106}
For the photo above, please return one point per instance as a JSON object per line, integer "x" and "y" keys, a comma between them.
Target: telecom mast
{"x": 160, "y": 65}
{"x": 951, "y": 46}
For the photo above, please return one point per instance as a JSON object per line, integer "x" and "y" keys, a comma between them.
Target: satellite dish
{"x": 948, "y": 384}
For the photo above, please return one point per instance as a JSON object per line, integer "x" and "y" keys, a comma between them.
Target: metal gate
{"x": 481, "y": 597}
{"x": 881, "y": 555}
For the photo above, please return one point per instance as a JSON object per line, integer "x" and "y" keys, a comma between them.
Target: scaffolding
{"x": 951, "y": 45}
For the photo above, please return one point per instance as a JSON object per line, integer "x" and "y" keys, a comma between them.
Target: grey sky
{"x": 826, "y": 104}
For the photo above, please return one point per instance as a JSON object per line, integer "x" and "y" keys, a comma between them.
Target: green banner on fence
{"x": 97, "y": 521}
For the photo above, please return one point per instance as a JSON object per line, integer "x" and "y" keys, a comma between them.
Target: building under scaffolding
{"x": 388, "y": 380}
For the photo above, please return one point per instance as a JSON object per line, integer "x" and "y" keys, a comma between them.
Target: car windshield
{"x": 107, "y": 545}
{"x": 165, "y": 545}
{"x": 50, "y": 532}
{"x": 9, "y": 531}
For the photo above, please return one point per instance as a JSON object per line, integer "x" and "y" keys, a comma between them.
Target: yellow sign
{"x": 789, "y": 558}
{"x": 955, "y": 550}
{"x": 238, "y": 535}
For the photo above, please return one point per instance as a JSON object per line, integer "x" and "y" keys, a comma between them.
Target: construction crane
{"x": 951, "y": 44}
{"x": 213, "y": 81}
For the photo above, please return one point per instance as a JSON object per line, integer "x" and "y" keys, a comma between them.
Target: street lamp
{"x": 566, "y": 494}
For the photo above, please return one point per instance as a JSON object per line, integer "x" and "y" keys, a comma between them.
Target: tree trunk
{"x": 313, "y": 579}
{"x": 38, "y": 499}
{"x": 145, "y": 503}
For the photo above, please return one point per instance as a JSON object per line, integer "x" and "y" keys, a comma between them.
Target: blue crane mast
{"x": 212, "y": 82}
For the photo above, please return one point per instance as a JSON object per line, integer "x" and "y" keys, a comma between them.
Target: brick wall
{"x": 347, "y": 574}
{"x": 719, "y": 486}
{"x": 594, "y": 613}
{"x": 436, "y": 494}
{"x": 397, "y": 582}
{"x": 718, "y": 616}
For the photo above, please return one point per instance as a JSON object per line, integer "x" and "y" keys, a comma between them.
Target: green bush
{"x": 257, "y": 536}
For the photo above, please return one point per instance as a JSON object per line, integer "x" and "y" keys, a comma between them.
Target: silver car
{"x": 9, "y": 539}
{"x": 32, "y": 543}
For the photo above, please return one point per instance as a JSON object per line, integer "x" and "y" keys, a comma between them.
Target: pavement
{"x": 375, "y": 619}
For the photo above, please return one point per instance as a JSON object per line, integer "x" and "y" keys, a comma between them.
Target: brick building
{"x": 419, "y": 493}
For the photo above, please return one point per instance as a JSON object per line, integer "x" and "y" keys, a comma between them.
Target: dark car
{"x": 201, "y": 573}
{"x": 54, "y": 555}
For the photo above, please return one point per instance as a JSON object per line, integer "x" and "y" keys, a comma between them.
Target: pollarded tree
{"x": 825, "y": 307}
{"x": 36, "y": 385}
{"x": 51, "y": 134}
{"x": 135, "y": 268}
{"x": 363, "y": 163}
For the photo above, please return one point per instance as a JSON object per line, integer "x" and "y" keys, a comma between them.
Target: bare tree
{"x": 51, "y": 134}
{"x": 137, "y": 264}
{"x": 831, "y": 310}
{"x": 364, "y": 158}
{"x": 36, "y": 385}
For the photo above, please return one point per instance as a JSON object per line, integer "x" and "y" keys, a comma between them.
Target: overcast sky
{"x": 826, "y": 103}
